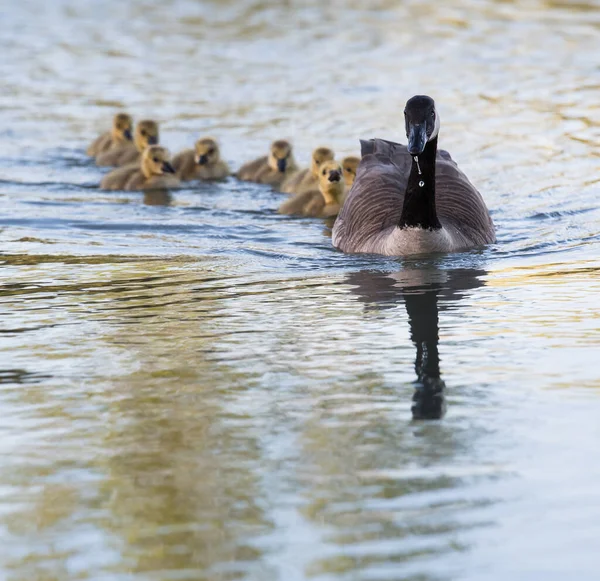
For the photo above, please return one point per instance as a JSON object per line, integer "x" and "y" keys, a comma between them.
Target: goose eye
{"x": 324, "y": 171}
{"x": 211, "y": 151}
{"x": 143, "y": 132}
{"x": 348, "y": 169}
{"x": 155, "y": 160}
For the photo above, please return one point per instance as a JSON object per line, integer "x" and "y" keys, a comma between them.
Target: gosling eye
{"x": 348, "y": 169}
{"x": 210, "y": 151}
{"x": 156, "y": 160}
{"x": 324, "y": 171}
{"x": 143, "y": 132}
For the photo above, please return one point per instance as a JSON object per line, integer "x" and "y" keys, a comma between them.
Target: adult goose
{"x": 412, "y": 199}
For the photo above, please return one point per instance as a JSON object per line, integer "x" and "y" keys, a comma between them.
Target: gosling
{"x": 350, "y": 165}
{"x": 324, "y": 202}
{"x": 308, "y": 179}
{"x": 146, "y": 133}
{"x": 119, "y": 135}
{"x": 201, "y": 163}
{"x": 154, "y": 172}
{"x": 271, "y": 169}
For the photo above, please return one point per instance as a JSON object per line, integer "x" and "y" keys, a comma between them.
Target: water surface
{"x": 194, "y": 387}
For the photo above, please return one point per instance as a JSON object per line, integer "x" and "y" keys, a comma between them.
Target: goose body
{"x": 412, "y": 199}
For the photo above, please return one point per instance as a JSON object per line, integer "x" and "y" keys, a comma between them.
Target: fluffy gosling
{"x": 308, "y": 179}
{"x": 271, "y": 169}
{"x": 146, "y": 133}
{"x": 324, "y": 202}
{"x": 201, "y": 163}
{"x": 120, "y": 134}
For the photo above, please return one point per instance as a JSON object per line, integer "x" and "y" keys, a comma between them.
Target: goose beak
{"x": 152, "y": 140}
{"x": 127, "y": 134}
{"x": 334, "y": 176}
{"x": 417, "y": 139}
{"x": 281, "y": 163}
{"x": 201, "y": 159}
{"x": 167, "y": 167}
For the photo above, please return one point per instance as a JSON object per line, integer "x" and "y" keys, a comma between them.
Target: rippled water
{"x": 196, "y": 388}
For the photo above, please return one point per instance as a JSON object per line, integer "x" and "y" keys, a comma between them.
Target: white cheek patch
{"x": 436, "y": 127}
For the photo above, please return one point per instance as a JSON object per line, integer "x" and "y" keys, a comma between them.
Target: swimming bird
{"x": 307, "y": 179}
{"x": 270, "y": 169}
{"x": 349, "y": 165}
{"x": 154, "y": 172}
{"x": 412, "y": 199}
{"x": 201, "y": 163}
{"x": 323, "y": 202}
{"x": 119, "y": 134}
{"x": 146, "y": 133}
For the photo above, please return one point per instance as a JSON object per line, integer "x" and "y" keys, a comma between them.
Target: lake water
{"x": 197, "y": 388}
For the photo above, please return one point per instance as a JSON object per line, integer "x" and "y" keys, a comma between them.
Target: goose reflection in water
{"x": 159, "y": 197}
{"x": 425, "y": 291}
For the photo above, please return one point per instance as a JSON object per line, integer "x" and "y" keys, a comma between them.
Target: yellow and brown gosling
{"x": 119, "y": 134}
{"x": 201, "y": 163}
{"x": 324, "y": 202}
{"x": 271, "y": 169}
{"x": 308, "y": 179}
{"x": 154, "y": 172}
{"x": 350, "y": 165}
{"x": 146, "y": 133}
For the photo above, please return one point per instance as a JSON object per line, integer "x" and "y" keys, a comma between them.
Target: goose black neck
{"x": 418, "y": 210}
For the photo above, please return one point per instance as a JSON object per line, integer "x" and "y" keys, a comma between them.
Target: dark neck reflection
{"x": 422, "y": 308}
{"x": 419, "y": 289}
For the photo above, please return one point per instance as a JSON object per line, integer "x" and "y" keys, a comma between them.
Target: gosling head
{"x": 280, "y": 155}
{"x": 156, "y": 161}
{"x": 206, "y": 151}
{"x": 320, "y": 155}
{"x": 350, "y": 165}
{"x": 422, "y": 123}
{"x": 146, "y": 133}
{"x": 121, "y": 129}
{"x": 331, "y": 182}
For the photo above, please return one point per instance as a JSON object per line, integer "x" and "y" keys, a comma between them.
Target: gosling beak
{"x": 417, "y": 139}
{"x": 334, "y": 176}
{"x": 152, "y": 140}
{"x": 127, "y": 134}
{"x": 202, "y": 159}
{"x": 281, "y": 163}
{"x": 167, "y": 167}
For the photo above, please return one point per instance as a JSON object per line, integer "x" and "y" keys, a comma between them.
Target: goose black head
{"x": 422, "y": 123}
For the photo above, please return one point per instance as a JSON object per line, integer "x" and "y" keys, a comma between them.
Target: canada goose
{"x": 201, "y": 163}
{"x": 412, "y": 199}
{"x": 120, "y": 134}
{"x": 323, "y": 202}
{"x": 307, "y": 179}
{"x": 271, "y": 169}
{"x": 349, "y": 165}
{"x": 154, "y": 172}
{"x": 146, "y": 133}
